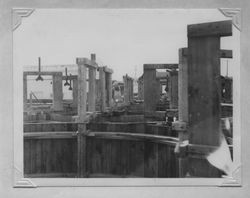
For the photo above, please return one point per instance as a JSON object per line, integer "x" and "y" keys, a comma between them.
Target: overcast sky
{"x": 123, "y": 39}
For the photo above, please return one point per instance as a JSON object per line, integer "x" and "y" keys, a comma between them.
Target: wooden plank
{"x": 109, "y": 88}
{"x": 140, "y": 149}
{"x": 51, "y": 166}
{"x": 48, "y": 158}
{"x": 51, "y": 175}
{"x": 44, "y": 73}
{"x": 136, "y": 136}
{"x": 125, "y": 158}
{"x": 82, "y": 152}
{"x": 132, "y": 158}
{"x": 71, "y": 77}
{"x": 82, "y": 104}
{"x": 149, "y": 83}
{"x": 92, "y": 90}
{"x": 98, "y": 168}
{"x": 160, "y": 66}
{"x": 33, "y": 156}
{"x": 183, "y": 107}
{"x": 136, "y": 159}
{"x": 204, "y": 89}
{"x": 183, "y": 85}
{"x": 50, "y": 135}
{"x": 126, "y": 91}
{"x": 107, "y": 156}
{"x": 27, "y": 157}
{"x": 102, "y": 81}
{"x": 204, "y": 96}
{"x": 226, "y": 53}
{"x": 90, "y": 154}
{"x": 38, "y": 161}
{"x": 151, "y": 157}
{"x": 163, "y": 162}
{"x": 173, "y": 89}
{"x": 218, "y": 29}
{"x": 115, "y": 157}
{"x": 58, "y": 155}
{"x": 57, "y": 92}
{"x": 151, "y": 160}
{"x": 74, "y": 156}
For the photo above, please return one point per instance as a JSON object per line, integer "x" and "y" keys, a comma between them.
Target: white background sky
{"x": 123, "y": 39}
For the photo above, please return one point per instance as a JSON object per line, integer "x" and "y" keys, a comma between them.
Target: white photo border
{"x": 18, "y": 176}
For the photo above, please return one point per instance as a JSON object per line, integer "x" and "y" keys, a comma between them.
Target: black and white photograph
{"x": 127, "y": 93}
{"x": 124, "y": 99}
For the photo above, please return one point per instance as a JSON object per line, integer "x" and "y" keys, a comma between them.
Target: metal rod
{"x": 66, "y": 74}
{"x": 70, "y": 87}
{"x": 39, "y": 70}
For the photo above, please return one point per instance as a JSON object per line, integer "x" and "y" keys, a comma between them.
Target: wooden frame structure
{"x": 150, "y": 84}
{"x": 57, "y": 88}
{"x": 200, "y": 93}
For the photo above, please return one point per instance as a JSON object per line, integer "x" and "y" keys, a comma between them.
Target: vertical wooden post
{"x": 149, "y": 83}
{"x": 109, "y": 88}
{"x": 183, "y": 85}
{"x": 126, "y": 90}
{"x": 183, "y": 105}
{"x": 132, "y": 90}
{"x": 204, "y": 90}
{"x": 57, "y": 92}
{"x": 102, "y": 80}
{"x": 98, "y": 95}
{"x": 24, "y": 91}
{"x": 174, "y": 89}
{"x": 92, "y": 86}
{"x": 129, "y": 89}
{"x": 75, "y": 93}
{"x": 82, "y": 103}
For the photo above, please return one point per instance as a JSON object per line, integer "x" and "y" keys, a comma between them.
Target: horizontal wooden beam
{"x": 47, "y": 67}
{"x": 135, "y": 137}
{"x": 223, "y": 53}
{"x": 105, "y": 135}
{"x": 44, "y": 73}
{"x": 50, "y": 135}
{"x": 70, "y": 77}
{"x": 87, "y": 62}
{"x": 220, "y": 28}
{"x": 226, "y": 53}
{"x": 50, "y": 175}
{"x": 160, "y": 66}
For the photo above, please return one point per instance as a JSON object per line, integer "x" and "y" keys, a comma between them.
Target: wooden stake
{"x": 92, "y": 88}
{"x": 102, "y": 81}
{"x": 149, "y": 83}
{"x": 81, "y": 138}
{"x": 57, "y": 92}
